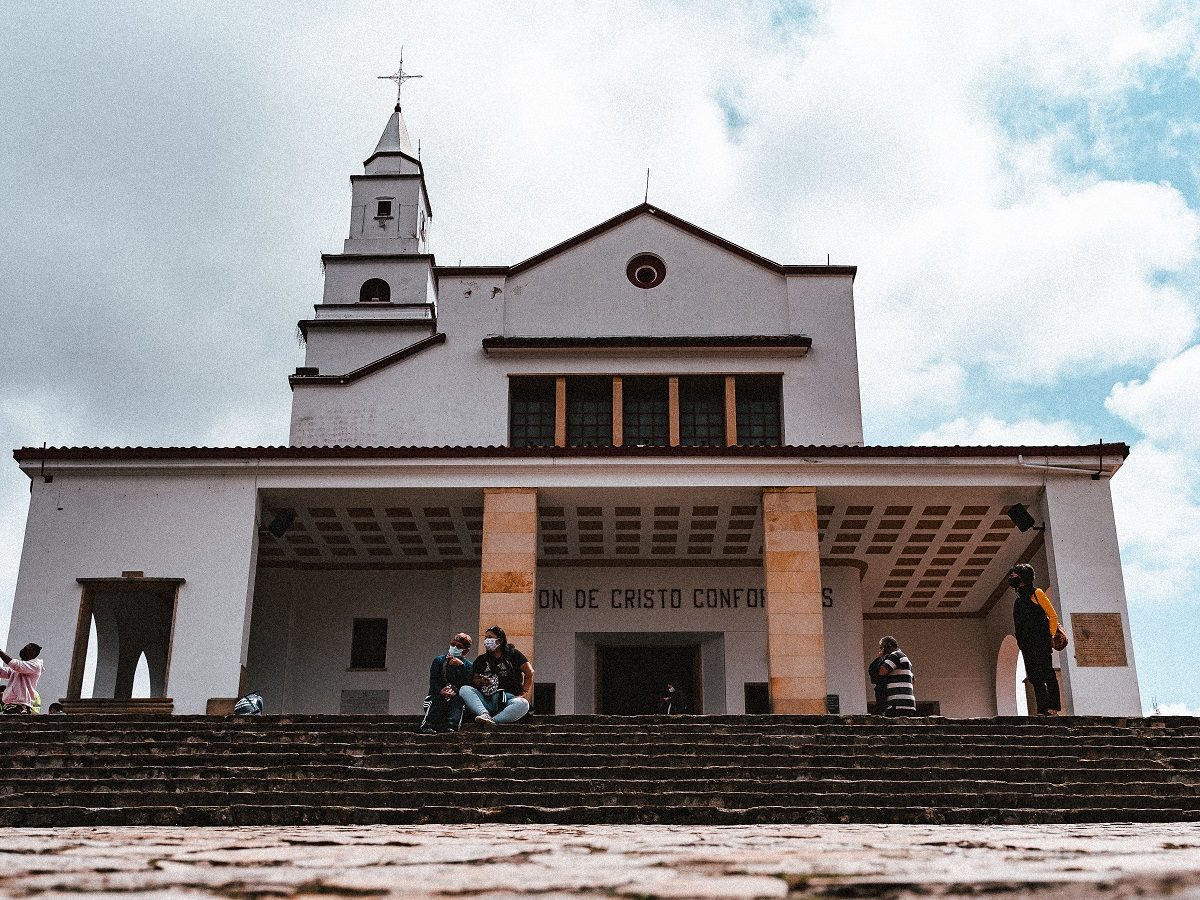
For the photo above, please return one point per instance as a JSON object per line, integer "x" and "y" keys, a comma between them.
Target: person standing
{"x": 502, "y": 681}
{"x": 20, "y": 696}
{"x": 668, "y": 702}
{"x": 878, "y": 682}
{"x": 1035, "y": 624}
{"x": 447, "y": 674}
{"x": 896, "y": 671}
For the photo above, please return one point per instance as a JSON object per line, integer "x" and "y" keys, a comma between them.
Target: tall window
{"x": 702, "y": 411}
{"x": 531, "y": 412}
{"x": 758, "y": 405}
{"x": 375, "y": 290}
{"x": 645, "y": 415}
{"x": 368, "y": 644}
{"x": 589, "y": 412}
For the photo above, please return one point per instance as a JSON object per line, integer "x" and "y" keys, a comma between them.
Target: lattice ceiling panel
{"x": 922, "y": 557}
{"x": 364, "y": 534}
{"x": 701, "y": 532}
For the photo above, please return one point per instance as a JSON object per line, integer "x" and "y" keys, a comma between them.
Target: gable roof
{"x": 663, "y": 215}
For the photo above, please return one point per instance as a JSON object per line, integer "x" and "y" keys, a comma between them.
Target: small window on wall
{"x": 531, "y": 411}
{"x": 375, "y": 290}
{"x": 758, "y": 410}
{"x": 368, "y": 644}
{"x": 383, "y": 208}
{"x": 645, "y": 412}
{"x": 702, "y": 411}
{"x": 589, "y": 412}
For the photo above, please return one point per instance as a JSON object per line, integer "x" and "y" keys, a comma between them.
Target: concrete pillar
{"x": 795, "y": 624}
{"x": 107, "y": 649}
{"x": 508, "y": 568}
{"x": 1086, "y": 579}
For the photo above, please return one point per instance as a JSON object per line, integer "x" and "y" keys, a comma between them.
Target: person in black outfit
{"x": 668, "y": 703}
{"x": 447, "y": 673}
{"x": 1035, "y": 622}
{"x": 502, "y": 685}
{"x": 879, "y": 682}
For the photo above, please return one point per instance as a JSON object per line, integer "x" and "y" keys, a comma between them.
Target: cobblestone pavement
{"x": 895, "y": 862}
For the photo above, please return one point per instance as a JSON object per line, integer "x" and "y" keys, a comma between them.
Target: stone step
{"x": 166, "y": 758}
{"x": 18, "y": 731}
{"x": 139, "y": 775}
{"x": 722, "y": 770}
{"x": 475, "y": 742}
{"x": 831, "y": 799}
{"x": 361, "y": 726}
{"x": 238, "y": 814}
{"x": 458, "y": 784}
{"x": 475, "y": 739}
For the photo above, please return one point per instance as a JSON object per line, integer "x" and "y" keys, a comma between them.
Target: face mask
{"x": 1014, "y": 580}
{"x": 491, "y": 643}
{"x": 456, "y": 652}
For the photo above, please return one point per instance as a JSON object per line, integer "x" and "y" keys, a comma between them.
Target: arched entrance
{"x": 1006, "y": 677}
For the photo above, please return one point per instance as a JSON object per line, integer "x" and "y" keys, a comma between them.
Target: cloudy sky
{"x": 1019, "y": 184}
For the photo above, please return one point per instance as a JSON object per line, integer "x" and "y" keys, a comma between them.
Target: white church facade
{"x": 639, "y": 451}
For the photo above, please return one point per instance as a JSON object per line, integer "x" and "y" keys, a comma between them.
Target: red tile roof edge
{"x": 846, "y": 451}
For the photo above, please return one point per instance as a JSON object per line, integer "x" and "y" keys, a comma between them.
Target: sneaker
{"x": 425, "y": 729}
{"x": 485, "y": 719}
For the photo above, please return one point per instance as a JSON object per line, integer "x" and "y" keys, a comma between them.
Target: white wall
{"x": 344, "y": 348}
{"x": 604, "y": 612}
{"x": 455, "y": 394}
{"x": 844, "y": 661}
{"x": 1085, "y": 571}
{"x": 201, "y": 529}
{"x": 301, "y": 633}
{"x": 948, "y": 661}
{"x": 707, "y": 291}
{"x": 410, "y": 280}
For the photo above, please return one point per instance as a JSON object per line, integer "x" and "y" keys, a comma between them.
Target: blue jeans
{"x": 501, "y": 706}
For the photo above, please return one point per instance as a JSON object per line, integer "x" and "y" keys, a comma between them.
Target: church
{"x": 639, "y": 451}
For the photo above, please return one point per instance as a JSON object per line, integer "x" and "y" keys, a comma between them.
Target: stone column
{"x": 508, "y": 567}
{"x": 795, "y": 625}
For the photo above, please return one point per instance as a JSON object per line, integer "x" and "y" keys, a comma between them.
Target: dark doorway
{"x": 631, "y": 680}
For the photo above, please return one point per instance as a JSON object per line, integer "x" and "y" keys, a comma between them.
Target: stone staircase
{"x": 290, "y": 770}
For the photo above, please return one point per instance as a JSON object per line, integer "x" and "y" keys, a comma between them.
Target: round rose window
{"x": 646, "y": 271}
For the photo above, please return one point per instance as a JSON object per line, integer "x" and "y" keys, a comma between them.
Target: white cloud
{"x": 1164, "y": 405}
{"x": 1156, "y": 498}
{"x": 990, "y": 431}
{"x": 1158, "y": 523}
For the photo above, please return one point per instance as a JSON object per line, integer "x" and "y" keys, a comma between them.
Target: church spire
{"x": 390, "y": 209}
{"x": 395, "y": 137}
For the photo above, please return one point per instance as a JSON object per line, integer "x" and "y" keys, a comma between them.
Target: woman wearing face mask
{"x": 502, "y": 684}
{"x": 1035, "y": 624}
{"x": 447, "y": 673}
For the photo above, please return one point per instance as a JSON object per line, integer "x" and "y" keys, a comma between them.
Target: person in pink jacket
{"x": 22, "y": 676}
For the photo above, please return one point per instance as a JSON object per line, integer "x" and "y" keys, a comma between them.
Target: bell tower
{"x": 384, "y": 274}
{"x": 390, "y": 210}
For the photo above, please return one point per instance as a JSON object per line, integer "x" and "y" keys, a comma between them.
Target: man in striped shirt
{"x": 897, "y": 674}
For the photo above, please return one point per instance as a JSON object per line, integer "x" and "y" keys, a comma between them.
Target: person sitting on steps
{"x": 502, "y": 682}
{"x": 447, "y": 674}
{"x": 20, "y": 696}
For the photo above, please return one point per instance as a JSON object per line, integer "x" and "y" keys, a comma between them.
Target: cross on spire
{"x": 399, "y": 77}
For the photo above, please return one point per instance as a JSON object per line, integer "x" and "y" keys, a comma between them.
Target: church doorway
{"x": 631, "y": 681}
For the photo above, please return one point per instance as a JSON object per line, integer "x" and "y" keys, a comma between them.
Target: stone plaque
{"x": 1099, "y": 639}
{"x": 364, "y": 703}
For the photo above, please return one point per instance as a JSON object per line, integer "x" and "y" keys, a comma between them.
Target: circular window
{"x": 646, "y": 271}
